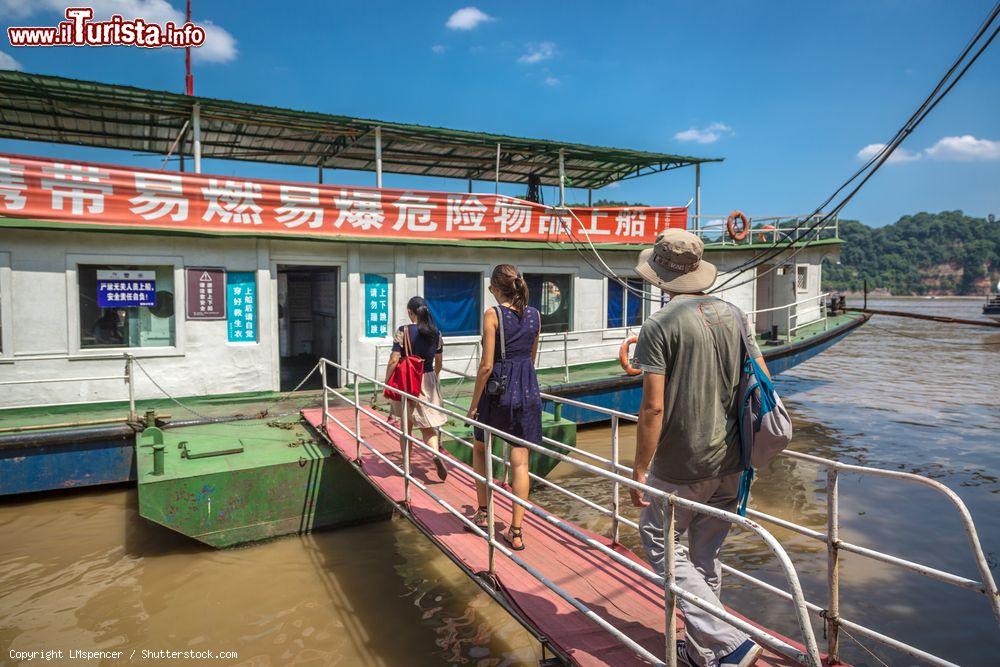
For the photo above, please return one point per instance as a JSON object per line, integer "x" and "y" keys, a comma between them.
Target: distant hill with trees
{"x": 927, "y": 253}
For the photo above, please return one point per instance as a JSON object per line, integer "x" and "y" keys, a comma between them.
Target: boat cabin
{"x": 221, "y": 284}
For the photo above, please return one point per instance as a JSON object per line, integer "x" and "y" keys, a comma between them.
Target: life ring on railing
{"x": 768, "y": 228}
{"x": 734, "y": 234}
{"x": 623, "y": 356}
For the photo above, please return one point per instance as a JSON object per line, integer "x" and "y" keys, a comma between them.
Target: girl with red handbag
{"x": 415, "y": 368}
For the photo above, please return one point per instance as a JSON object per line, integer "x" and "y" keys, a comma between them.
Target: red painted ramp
{"x": 628, "y": 601}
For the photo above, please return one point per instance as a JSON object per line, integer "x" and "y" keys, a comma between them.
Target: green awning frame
{"x": 59, "y": 110}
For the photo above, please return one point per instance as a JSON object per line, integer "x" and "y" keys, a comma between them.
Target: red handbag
{"x": 408, "y": 375}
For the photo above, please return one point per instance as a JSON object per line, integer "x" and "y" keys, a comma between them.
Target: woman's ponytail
{"x": 509, "y": 282}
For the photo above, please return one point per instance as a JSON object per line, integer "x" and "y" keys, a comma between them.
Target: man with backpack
{"x": 692, "y": 353}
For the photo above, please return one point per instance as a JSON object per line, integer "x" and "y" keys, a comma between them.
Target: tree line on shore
{"x": 926, "y": 253}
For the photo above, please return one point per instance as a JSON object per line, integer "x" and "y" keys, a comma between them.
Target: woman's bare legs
{"x": 520, "y": 484}
{"x": 430, "y": 437}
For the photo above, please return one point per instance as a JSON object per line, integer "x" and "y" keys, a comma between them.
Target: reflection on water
{"x": 82, "y": 570}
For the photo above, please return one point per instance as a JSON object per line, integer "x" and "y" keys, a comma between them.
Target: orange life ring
{"x": 623, "y": 356}
{"x": 768, "y": 228}
{"x": 731, "y": 225}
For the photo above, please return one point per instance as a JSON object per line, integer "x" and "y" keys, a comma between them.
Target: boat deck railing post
{"x": 357, "y": 417}
{"x": 326, "y": 395}
{"x": 615, "y": 486}
{"x": 565, "y": 356}
{"x": 832, "y": 615}
{"x": 404, "y": 442}
{"x": 670, "y": 563}
{"x": 490, "y": 506}
{"x": 130, "y": 381}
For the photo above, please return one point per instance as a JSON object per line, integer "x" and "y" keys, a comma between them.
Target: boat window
{"x": 552, "y": 295}
{"x": 126, "y": 306}
{"x": 625, "y": 306}
{"x": 802, "y": 278}
{"x": 455, "y": 299}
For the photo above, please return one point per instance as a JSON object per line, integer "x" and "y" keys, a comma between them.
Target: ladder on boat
{"x": 588, "y": 599}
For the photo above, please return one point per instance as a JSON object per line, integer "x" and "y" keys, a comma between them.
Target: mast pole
{"x": 188, "y": 78}
{"x": 562, "y": 177}
{"x": 496, "y": 188}
{"x": 697, "y": 196}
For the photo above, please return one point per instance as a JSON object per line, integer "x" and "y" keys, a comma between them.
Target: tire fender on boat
{"x": 734, "y": 234}
{"x": 623, "y": 356}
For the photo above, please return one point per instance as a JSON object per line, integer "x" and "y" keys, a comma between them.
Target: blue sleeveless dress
{"x": 519, "y": 410}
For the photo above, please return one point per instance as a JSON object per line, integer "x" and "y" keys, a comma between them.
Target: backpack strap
{"x": 503, "y": 345}
{"x": 741, "y": 322}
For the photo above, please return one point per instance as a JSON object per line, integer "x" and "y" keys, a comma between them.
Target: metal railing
{"x": 820, "y": 307}
{"x": 830, "y": 614}
{"x": 672, "y": 592}
{"x": 128, "y": 376}
{"x": 767, "y": 229}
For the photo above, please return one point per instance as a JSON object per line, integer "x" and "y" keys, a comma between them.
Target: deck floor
{"x": 620, "y": 596}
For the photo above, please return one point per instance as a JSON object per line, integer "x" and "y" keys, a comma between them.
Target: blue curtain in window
{"x": 615, "y": 304}
{"x": 455, "y": 301}
{"x": 633, "y": 302}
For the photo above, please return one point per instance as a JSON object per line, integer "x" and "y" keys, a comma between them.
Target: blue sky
{"x": 788, "y": 93}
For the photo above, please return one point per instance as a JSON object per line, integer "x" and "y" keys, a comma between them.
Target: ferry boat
{"x": 125, "y": 289}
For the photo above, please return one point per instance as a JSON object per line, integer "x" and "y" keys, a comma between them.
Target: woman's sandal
{"x": 514, "y": 534}
{"x": 479, "y": 519}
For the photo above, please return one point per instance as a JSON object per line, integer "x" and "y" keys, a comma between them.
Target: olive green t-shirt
{"x": 695, "y": 341}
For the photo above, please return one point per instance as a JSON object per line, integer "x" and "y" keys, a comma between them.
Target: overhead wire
{"x": 803, "y": 240}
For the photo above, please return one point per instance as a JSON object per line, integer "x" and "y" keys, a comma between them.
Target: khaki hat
{"x": 675, "y": 263}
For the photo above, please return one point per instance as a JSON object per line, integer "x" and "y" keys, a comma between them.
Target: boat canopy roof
{"x": 69, "y": 111}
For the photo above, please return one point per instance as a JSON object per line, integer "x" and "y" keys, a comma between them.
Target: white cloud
{"x": 551, "y": 81}
{"x": 537, "y": 53}
{"x": 898, "y": 156}
{"x": 964, "y": 148}
{"x": 705, "y": 135}
{"x": 439, "y": 48}
{"x": 9, "y": 62}
{"x": 219, "y": 46}
{"x": 468, "y": 18}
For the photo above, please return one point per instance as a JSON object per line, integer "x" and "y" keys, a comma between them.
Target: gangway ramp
{"x": 611, "y": 593}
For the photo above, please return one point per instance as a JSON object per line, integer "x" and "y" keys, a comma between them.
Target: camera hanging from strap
{"x": 497, "y": 384}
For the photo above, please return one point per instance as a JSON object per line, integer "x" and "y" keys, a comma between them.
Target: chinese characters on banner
{"x": 125, "y": 289}
{"x": 241, "y": 306}
{"x": 376, "y": 306}
{"x": 40, "y": 188}
{"x": 205, "y": 288}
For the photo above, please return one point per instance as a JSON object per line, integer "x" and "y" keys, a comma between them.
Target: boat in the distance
{"x": 991, "y": 308}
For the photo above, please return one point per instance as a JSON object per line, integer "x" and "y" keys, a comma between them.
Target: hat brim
{"x": 698, "y": 280}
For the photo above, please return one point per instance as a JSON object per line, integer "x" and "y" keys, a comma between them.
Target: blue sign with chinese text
{"x": 376, "y": 306}
{"x": 118, "y": 288}
{"x": 241, "y": 306}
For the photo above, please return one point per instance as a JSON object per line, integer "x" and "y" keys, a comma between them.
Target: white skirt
{"x": 422, "y": 416}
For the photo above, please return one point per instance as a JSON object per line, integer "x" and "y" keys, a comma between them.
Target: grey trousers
{"x": 699, "y": 571}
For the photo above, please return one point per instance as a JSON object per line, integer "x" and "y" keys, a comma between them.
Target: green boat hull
{"x": 240, "y": 482}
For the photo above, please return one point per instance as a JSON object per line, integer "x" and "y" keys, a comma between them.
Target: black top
{"x": 420, "y": 345}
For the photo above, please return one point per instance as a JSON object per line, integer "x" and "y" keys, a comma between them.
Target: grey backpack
{"x": 765, "y": 427}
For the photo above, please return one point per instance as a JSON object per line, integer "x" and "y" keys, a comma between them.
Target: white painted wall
{"x": 38, "y": 302}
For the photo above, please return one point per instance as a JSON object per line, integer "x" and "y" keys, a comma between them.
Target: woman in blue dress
{"x": 517, "y": 408}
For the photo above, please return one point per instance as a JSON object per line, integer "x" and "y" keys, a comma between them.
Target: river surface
{"x": 83, "y": 571}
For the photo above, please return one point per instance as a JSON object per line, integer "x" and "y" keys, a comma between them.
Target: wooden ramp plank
{"x": 629, "y": 602}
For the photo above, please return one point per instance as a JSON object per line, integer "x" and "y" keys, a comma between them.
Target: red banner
{"x": 87, "y": 193}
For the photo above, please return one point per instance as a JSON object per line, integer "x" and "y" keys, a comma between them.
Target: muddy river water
{"x": 82, "y": 571}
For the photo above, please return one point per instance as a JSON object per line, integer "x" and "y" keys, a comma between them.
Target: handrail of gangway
{"x": 830, "y": 615}
{"x": 672, "y": 592}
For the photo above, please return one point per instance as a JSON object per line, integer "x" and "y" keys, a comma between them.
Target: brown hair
{"x": 509, "y": 282}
